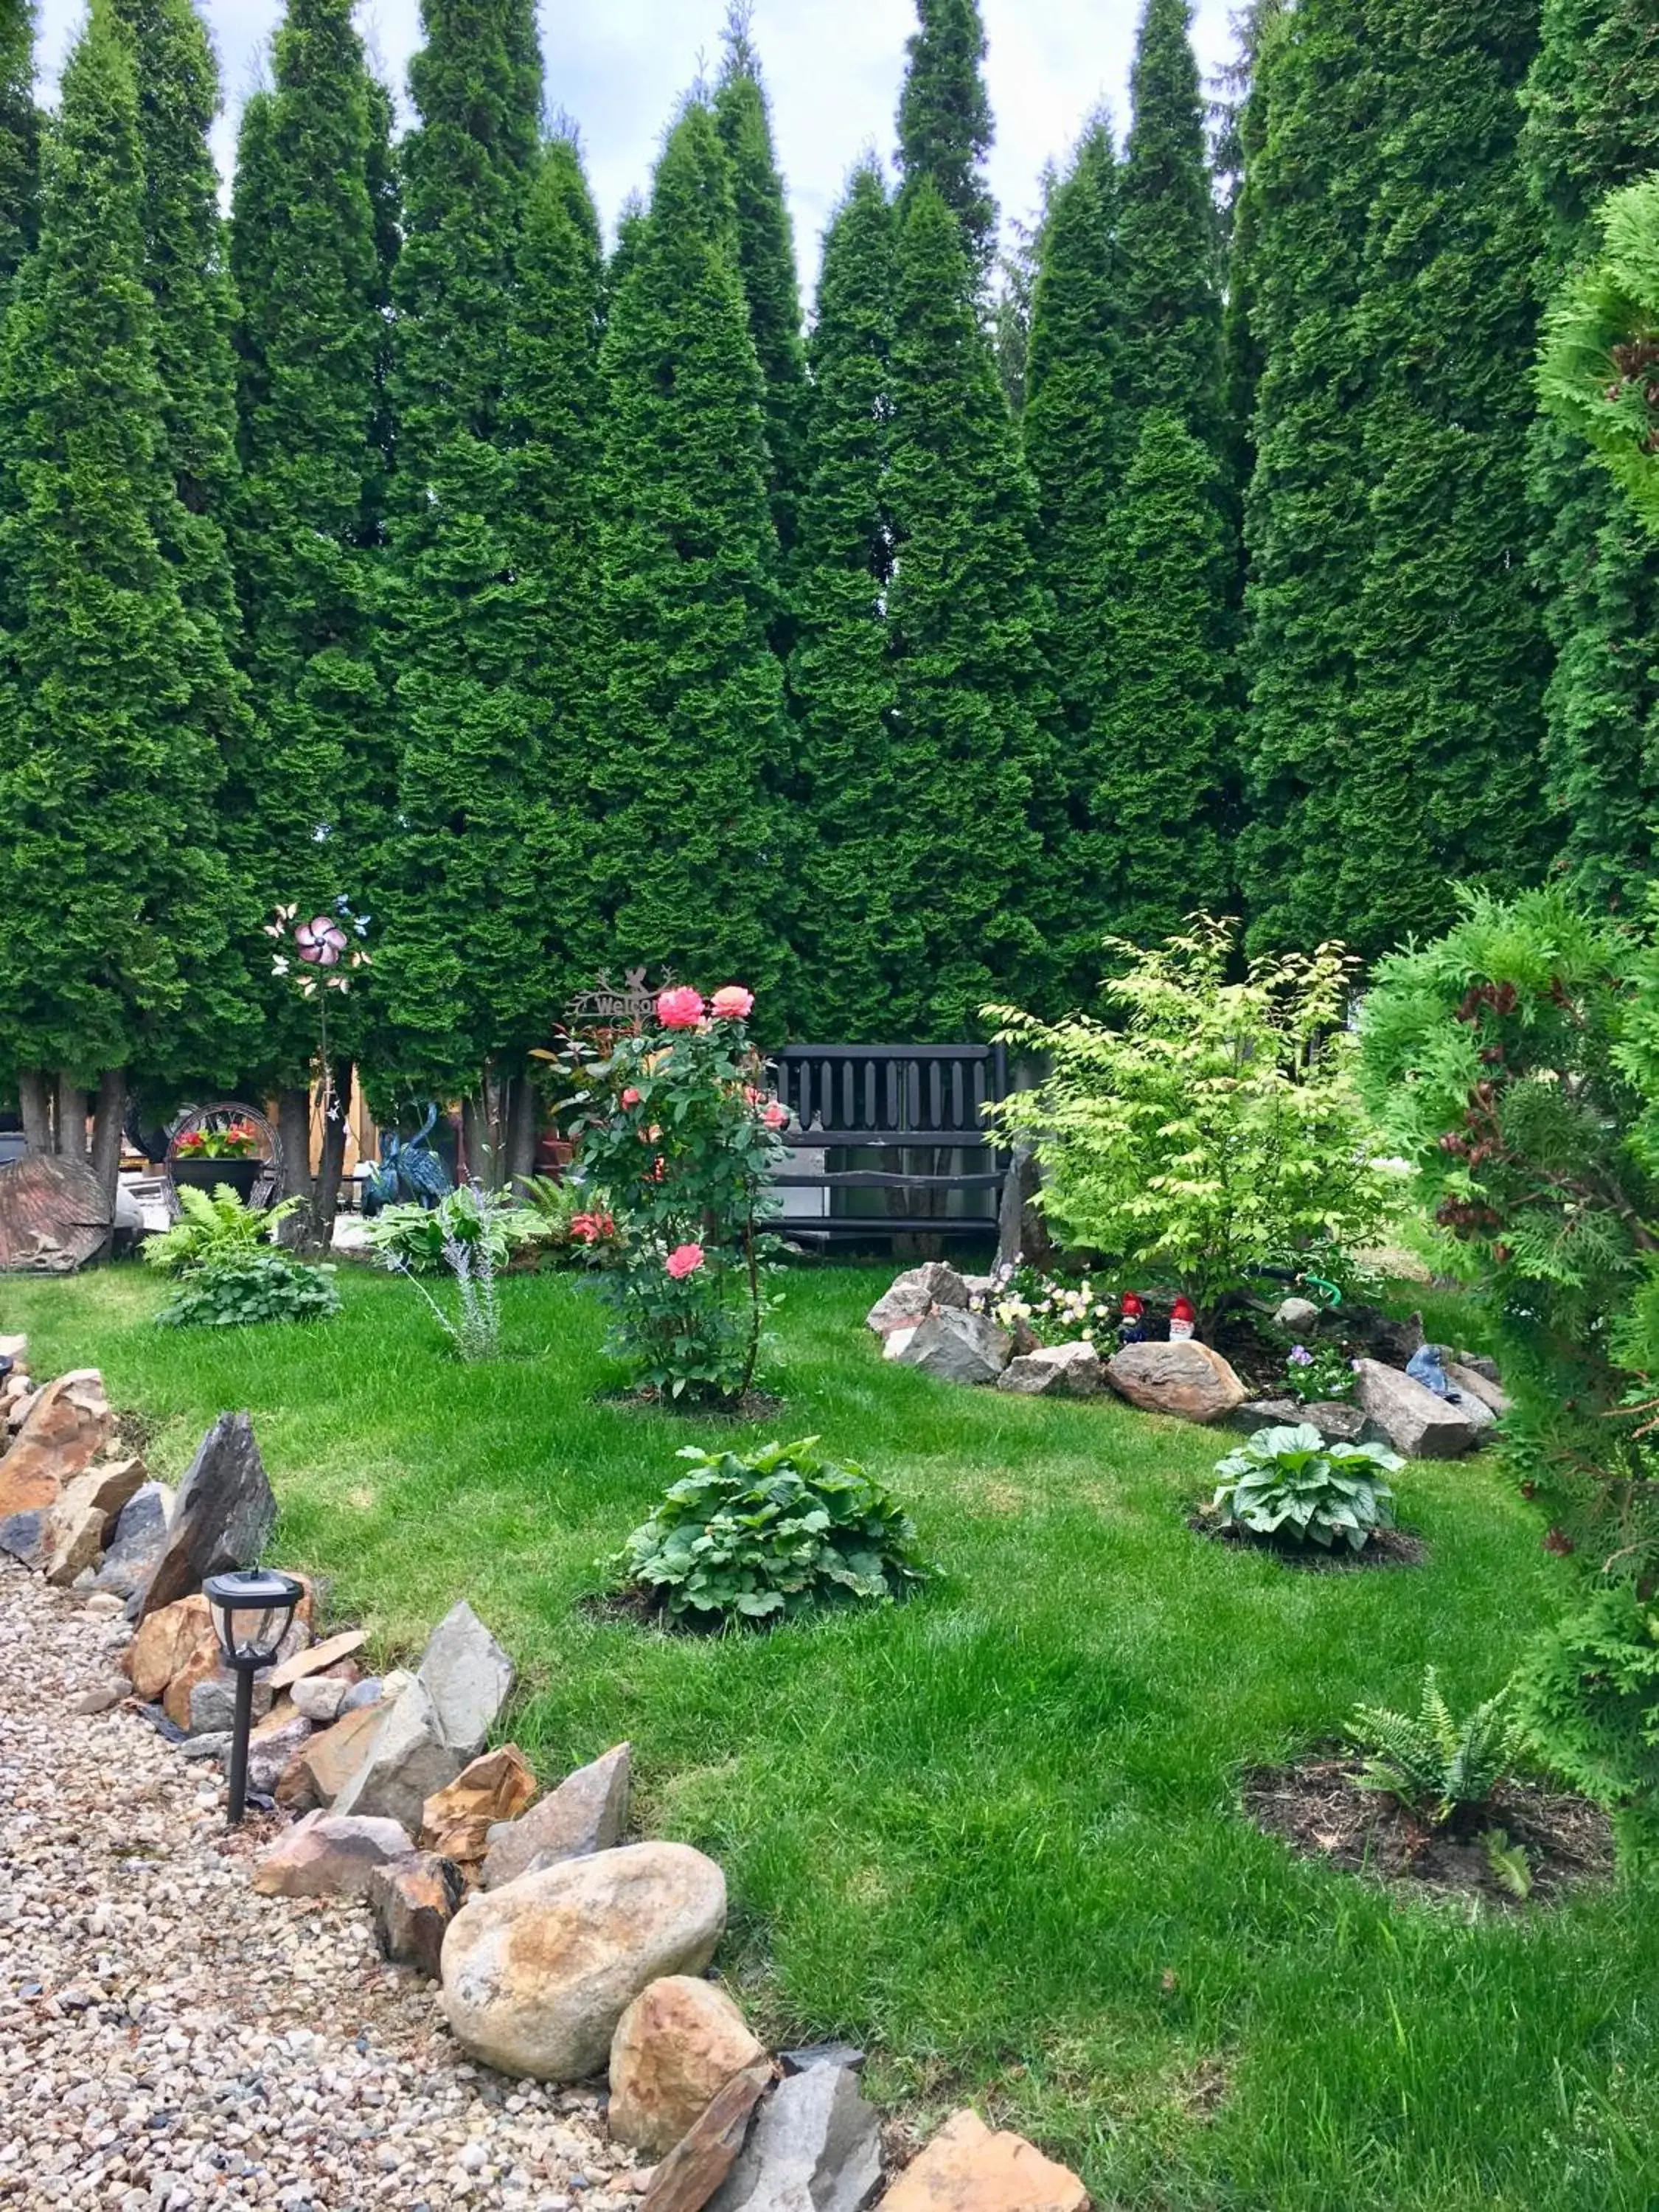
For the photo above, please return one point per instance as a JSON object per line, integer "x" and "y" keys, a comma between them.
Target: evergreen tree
{"x": 694, "y": 735}
{"x": 766, "y": 260}
{"x": 474, "y": 873}
{"x": 119, "y": 904}
{"x": 945, "y": 125}
{"x": 314, "y": 803}
{"x": 187, "y": 269}
{"x": 851, "y": 917}
{"x": 1396, "y": 653}
{"x": 20, "y": 136}
{"x": 1169, "y": 281}
{"x": 1245, "y": 137}
{"x": 1593, "y": 125}
{"x": 973, "y": 751}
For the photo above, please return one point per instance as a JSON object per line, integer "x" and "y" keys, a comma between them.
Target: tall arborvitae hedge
{"x": 313, "y": 804}
{"x": 474, "y": 873}
{"x": 20, "y": 141}
{"x": 554, "y": 422}
{"x": 976, "y": 746}
{"x": 115, "y": 895}
{"x": 1396, "y": 653}
{"x": 693, "y": 734}
{"x": 766, "y": 259}
{"x": 945, "y": 125}
{"x": 1168, "y": 279}
{"x": 1592, "y": 125}
{"x": 850, "y": 918}
{"x": 186, "y": 266}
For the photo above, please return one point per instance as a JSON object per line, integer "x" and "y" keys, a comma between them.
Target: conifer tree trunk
{"x": 34, "y": 1098}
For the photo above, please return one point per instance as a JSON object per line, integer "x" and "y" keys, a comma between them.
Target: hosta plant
{"x": 417, "y": 1238}
{"x": 1289, "y": 1484}
{"x": 1436, "y": 1763}
{"x": 241, "y": 1288}
{"x": 762, "y": 1536}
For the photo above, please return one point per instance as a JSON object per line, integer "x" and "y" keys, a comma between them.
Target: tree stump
{"x": 54, "y": 1216}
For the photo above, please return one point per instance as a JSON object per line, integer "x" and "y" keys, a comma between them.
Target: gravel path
{"x": 169, "y": 2040}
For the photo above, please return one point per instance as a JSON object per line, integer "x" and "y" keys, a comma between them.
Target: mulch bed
{"x": 1319, "y": 1809}
{"x": 1388, "y": 1547}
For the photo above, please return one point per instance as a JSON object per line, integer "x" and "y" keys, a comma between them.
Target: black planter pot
{"x": 207, "y": 1175}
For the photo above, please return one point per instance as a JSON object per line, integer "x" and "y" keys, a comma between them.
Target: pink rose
{"x": 776, "y": 1115}
{"x": 733, "y": 1004}
{"x": 685, "y": 1260}
{"x": 679, "y": 1007}
{"x": 630, "y": 1097}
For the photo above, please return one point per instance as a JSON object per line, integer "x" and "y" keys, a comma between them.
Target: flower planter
{"x": 241, "y": 1176}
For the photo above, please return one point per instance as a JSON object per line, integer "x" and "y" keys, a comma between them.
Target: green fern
{"x": 1434, "y": 1763}
{"x": 1510, "y": 1866}
{"x": 214, "y": 1227}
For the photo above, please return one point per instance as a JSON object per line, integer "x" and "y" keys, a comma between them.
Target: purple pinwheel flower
{"x": 320, "y": 942}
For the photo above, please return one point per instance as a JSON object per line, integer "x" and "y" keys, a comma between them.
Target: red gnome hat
{"x": 1184, "y": 1309}
{"x": 1133, "y": 1308}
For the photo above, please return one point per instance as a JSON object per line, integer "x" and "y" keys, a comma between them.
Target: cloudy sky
{"x": 833, "y": 68}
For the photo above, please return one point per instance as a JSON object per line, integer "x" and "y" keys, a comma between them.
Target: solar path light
{"x": 252, "y": 1608}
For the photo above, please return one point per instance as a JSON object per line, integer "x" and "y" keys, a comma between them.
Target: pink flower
{"x": 685, "y": 1260}
{"x": 679, "y": 1007}
{"x": 733, "y": 1004}
{"x": 630, "y": 1097}
{"x": 776, "y": 1115}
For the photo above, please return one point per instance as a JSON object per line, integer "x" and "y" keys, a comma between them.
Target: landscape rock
{"x": 222, "y": 1518}
{"x": 493, "y": 1787}
{"x": 320, "y": 1697}
{"x": 1474, "y": 1382}
{"x": 916, "y": 1293}
{"x": 104, "y": 1698}
{"x": 86, "y": 1515}
{"x": 406, "y": 1761}
{"x": 16, "y": 1349}
{"x": 1185, "y": 1379}
{"x": 586, "y": 1813}
{"x": 969, "y": 2168}
{"x": 822, "y": 2054}
{"x": 411, "y": 1902}
{"x": 139, "y": 1540}
{"x": 163, "y": 1643}
{"x": 326, "y": 1761}
{"x": 317, "y": 1656}
{"x": 215, "y": 1744}
{"x": 327, "y": 1855}
{"x": 208, "y": 1701}
{"x": 369, "y": 1692}
{"x": 468, "y": 1677}
{"x": 957, "y": 1346}
{"x": 1411, "y": 1417}
{"x": 1022, "y": 1227}
{"x": 1337, "y": 1422}
{"x": 538, "y": 1973}
{"x": 268, "y": 1755}
{"x": 1296, "y": 1314}
{"x": 1060, "y": 1371}
{"x": 686, "y": 2179}
{"x": 897, "y": 1342}
{"x": 676, "y": 2047}
{"x": 815, "y": 2147}
{"x": 66, "y": 1425}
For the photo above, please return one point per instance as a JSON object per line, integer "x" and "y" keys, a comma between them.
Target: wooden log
{"x": 54, "y": 1216}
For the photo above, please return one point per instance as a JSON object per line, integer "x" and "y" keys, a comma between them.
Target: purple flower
{"x": 1300, "y": 1356}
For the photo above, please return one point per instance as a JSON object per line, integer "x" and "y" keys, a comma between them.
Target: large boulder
{"x": 676, "y": 2047}
{"x": 456, "y": 1821}
{"x": 468, "y": 1677}
{"x": 915, "y": 1294}
{"x": 86, "y": 1515}
{"x": 404, "y": 1762}
{"x": 412, "y": 1903}
{"x": 538, "y": 1973}
{"x": 66, "y": 1425}
{"x": 139, "y": 1540}
{"x": 1416, "y": 1421}
{"x": 1184, "y": 1378}
{"x": 967, "y": 2169}
{"x": 327, "y": 1855}
{"x": 1474, "y": 1382}
{"x": 1057, "y": 1370}
{"x": 586, "y": 1813}
{"x": 686, "y": 2179}
{"x": 815, "y": 2143}
{"x": 222, "y": 1517}
{"x": 956, "y": 1346}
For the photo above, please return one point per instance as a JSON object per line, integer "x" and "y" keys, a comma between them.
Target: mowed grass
{"x": 993, "y": 1835}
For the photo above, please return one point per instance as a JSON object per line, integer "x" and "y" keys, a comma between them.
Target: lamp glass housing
{"x": 252, "y": 1608}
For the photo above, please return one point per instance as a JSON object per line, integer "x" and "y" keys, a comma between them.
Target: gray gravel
{"x": 169, "y": 2040}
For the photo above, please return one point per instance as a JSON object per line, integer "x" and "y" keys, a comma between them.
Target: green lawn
{"x": 993, "y": 1834}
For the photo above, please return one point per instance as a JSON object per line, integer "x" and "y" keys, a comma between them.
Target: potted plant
{"x": 203, "y": 1158}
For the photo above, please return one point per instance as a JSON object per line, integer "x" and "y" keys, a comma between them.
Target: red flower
{"x": 733, "y": 1004}
{"x": 631, "y": 1096}
{"x": 685, "y": 1260}
{"x": 679, "y": 1007}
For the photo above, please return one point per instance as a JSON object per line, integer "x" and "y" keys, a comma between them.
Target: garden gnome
{"x": 1132, "y": 1328}
{"x": 1183, "y": 1320}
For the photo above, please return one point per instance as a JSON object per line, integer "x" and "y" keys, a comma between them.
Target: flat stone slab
{"x": 316, "y": 1656}
{"x": 1416, "y": 1422}
{"x": 969, "y": 2168}
{"x": 468, "y": 1677}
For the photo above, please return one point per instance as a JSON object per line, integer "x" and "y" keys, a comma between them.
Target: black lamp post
{"x": 251, "y": 1607}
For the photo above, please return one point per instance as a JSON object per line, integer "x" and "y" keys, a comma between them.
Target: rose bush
{"x": 681, "y": 1137}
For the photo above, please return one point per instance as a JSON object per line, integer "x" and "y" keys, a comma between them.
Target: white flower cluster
{"x": 1062, "y": 1310}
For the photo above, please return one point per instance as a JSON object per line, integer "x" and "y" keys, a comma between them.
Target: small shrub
{"x": 1435, "y": 1763}
{"x": 765, "y": 1535}
{"x": 416, "y": 1238}
{"x": 1587, "y": 1694}
{"x": 239, "y": 1288}
{"x": 474, "y": 1230}
{"x": 1290, "y": 1484}
{"x": 212, "y": 1229}
{"x": 1320, "y": 1378}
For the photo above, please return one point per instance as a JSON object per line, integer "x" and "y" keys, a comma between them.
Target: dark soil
{"x": 752, "y": 1406}
{"x": 1387, "y": 1547}
{"x": 634, "y": 1608}
{"x": 1319, "y": 1809}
